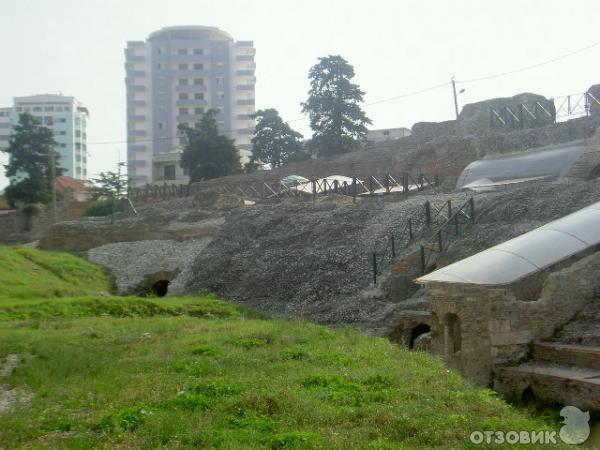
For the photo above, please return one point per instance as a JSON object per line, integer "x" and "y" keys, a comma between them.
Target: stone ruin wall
{"x": 496, "y": 328}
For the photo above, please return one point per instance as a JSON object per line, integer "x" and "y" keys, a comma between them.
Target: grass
{"x": 193, "y": 372}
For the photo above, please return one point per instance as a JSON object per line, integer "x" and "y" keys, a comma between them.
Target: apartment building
{"x": 172, "y": 78}
{"x": 65, "y": 116}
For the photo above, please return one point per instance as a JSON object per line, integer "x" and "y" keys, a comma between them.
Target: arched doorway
{"x": 417, "y": 331}
{"x": 452, "y": 334}
{"x": 160, "y": 288}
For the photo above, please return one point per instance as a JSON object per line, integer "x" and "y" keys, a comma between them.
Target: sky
{"x": 75, "y": 47}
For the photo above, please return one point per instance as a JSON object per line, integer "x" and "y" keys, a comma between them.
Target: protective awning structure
{"x": 527, "y": 254}
{"x": 496, "y": 173}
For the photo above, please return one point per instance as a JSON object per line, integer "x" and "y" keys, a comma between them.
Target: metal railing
{"x": 527, "y": 115}
{"x": 404, "y": 183}
{"x": 438, "y": 242}
{"x": 424, "y": 219}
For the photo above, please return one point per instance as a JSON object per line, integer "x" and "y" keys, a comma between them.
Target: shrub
{"x": 101, "y": 208}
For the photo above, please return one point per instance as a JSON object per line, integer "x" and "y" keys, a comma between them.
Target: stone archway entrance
{"x": 416, "y": 334}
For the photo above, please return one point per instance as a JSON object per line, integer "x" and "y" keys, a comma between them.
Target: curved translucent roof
{"x": 551, "y": 162}
{"x": 526, "y": 254}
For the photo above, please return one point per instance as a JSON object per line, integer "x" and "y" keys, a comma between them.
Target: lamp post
{"x": 455, "y": 96}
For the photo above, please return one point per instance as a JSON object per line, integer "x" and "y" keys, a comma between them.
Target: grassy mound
{"x": 26, "y": 273}
{"x": 188, "y": 372}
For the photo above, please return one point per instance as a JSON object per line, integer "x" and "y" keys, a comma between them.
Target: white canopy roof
{"x": 524, "y": 255}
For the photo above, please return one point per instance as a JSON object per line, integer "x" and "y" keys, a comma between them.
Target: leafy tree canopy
{"x": 31, "y": 150}
{"x": 110, "y": 185}
{"x": 208, "y": 154}
{"x": 336, "y": 118}
{"x": 274, "y": 141}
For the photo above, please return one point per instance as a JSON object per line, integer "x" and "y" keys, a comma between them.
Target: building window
{"x": 77, "y": 133}
{"x": 183, "y": 67}
{"x": 62, "y": 120}
{"x": 67, "y": 108}
{"x": 182, "y": 51}
{"x": 184, "y": 111}
{"x": 198, "y": 66}
{"x": 198, "y": 80}
{"x": 199, "y": 96}
{"x": 63, "y": 145}
{"x": 160, "y": 125}
{"x": 183, "y": 96}
{"x": 159, "y": 51}
{"x": 220, "y": 81}
{"x": 221, "y": 95}
{"x": 37, "y": 108}
{"x": 183, "y": 81}
{"x": 48, "y": 121}
{"x": 62, "y": 132}
{"x": 49, "y": 108}
{"x": 198, "y": 111}
{"x": 198, "y": 51}
{"x": 169, "y": 172}
{"x": 159, "y": 65}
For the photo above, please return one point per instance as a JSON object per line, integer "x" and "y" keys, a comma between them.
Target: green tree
{"x": 110, "y": 185}
{"x": 274, "y": 141}
{"x": 31, "y": 154}
{"x": 336, "y": 118}
{"x": 208, "y": 154}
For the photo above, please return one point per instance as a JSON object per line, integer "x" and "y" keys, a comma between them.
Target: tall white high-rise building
{"x": 173, "y": 77}
{"x": 65, "y": 116}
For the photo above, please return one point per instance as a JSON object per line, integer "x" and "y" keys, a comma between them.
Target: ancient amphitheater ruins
{"x": 477, "y": 239}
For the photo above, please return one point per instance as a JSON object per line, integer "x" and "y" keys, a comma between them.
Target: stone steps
{"x": 567, "y": 354}
{"x": 556, "y": 383}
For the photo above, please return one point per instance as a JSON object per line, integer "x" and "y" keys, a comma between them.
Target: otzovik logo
{"x": 576, "y": 429}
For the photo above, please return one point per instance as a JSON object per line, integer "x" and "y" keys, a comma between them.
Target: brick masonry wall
{"x": 496, "y": 328}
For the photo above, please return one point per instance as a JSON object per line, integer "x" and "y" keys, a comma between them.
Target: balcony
{"x": 190, "y": 72}
{"x": 188, "y": 117}
{"x": 244, "y": 73}
{"x": 190, "y": 88}
{"x": 244, "y": 43}
{"x": 134, "y": 103}
{"x": 191, "y": 103}
{"x": 246, "y": 102}
{"x": 248, "y": 58}
{"x": 136, "y": 73}
{"x": 136, "y": 58}
{"x": 136, "y": 87}
{"x": 137, "y": 163}
{"x": 202, "y": 59}
{"x": 136, "y": 118}
{"x": 244, "y": 117}
{"x": 245, "y": 87}
{"x": 137, "y": 133}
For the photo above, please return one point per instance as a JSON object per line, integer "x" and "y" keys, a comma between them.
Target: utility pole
{"x": 455, "y": 97}
{"x": 53, "y": 181}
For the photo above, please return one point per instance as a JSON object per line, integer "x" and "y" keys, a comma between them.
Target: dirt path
{"x": 9, "y": 397}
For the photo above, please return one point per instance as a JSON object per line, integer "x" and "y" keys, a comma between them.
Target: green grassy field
{"x": 104, "y": 372}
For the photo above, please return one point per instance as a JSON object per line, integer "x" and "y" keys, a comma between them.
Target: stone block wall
{"x": 495, "y": 328}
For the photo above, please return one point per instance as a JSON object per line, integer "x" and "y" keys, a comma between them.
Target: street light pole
{"x": 455, "y": 97}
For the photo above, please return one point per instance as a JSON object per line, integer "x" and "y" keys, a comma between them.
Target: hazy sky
{"x": 75, "y": 47}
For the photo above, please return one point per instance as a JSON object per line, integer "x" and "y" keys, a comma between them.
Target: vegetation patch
{"x": 196, "y": 371}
